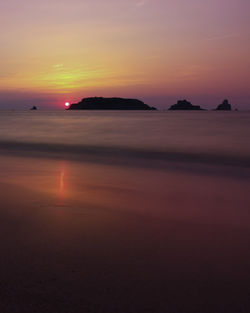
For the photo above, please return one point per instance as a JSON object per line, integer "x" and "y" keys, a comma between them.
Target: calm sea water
{"x": 124, "y": 212}
{"x": 182, "y": 136}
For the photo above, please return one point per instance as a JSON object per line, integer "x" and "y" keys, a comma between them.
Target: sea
{"x": 141, "y": 136}
{"x": 118, "y": 211}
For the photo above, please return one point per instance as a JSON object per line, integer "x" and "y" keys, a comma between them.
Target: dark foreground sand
{"x": 80, "y": 237}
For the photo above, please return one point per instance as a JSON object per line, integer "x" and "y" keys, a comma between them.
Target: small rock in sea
{"x": 34, "y": 108}
{"x": 224, "y": 106}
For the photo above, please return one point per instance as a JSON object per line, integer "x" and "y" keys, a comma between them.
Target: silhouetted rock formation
{"x": 224, "y": 106}
{"x": 100, "y": 103}
{"x": 184, "y": 105}
{"x": 34, "y": 108}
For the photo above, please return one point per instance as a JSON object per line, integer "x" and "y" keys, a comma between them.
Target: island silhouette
{"x": 224, "y": 106}
{"x": 100, "y": 103}
{"x": 184, "y": 105}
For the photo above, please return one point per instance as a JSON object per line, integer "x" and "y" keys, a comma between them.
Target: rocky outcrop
{"x": 224, "y": 106}
{"x": 184, "y": 105}
{"x": 100, "y": 103}
{"x": 33, "y": 108}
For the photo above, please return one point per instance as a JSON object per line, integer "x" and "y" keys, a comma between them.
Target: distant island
{"x": 224, "y": 106}
{"x": 184, "y": 105}
{"x": 100, "y": 103}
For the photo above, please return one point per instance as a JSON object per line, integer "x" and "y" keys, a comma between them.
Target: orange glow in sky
{"x": 154, "y": 50}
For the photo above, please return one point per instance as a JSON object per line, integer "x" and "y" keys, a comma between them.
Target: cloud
{"x": 58, "y": 66}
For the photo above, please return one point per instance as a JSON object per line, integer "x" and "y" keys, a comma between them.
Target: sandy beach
{"x": 87, "y": 237}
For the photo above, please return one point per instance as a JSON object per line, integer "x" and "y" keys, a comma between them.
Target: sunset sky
{"x": 159, "y": 51}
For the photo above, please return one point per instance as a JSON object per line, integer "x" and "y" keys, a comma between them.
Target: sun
{"x": 67, "y": 104}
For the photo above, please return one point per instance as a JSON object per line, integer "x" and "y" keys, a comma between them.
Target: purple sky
{"x": 53, "y": 51}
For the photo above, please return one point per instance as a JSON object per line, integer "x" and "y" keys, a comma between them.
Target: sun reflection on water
{"x": 62, "y": 175}
{"x": 62, "y": 183}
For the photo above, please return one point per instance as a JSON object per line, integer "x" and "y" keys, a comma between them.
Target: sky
{"x": 159, "y": 51}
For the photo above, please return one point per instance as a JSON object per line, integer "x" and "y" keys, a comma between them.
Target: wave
{"x": 120, "y": 155}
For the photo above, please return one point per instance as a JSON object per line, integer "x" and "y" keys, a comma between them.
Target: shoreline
{"x": 90, "y": 237}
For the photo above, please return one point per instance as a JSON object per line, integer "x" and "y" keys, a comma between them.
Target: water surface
{"x": 124, "y": 212}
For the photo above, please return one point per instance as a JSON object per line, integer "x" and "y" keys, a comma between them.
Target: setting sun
{"x": 67, "y": 104}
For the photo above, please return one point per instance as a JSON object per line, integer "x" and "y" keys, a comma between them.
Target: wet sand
{"x": 85, "y": 237}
